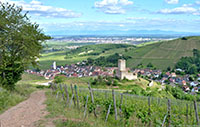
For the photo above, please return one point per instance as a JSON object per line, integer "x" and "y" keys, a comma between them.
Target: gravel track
{"x": 26, "y": 113}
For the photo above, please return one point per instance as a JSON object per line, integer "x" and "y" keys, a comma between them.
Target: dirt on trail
{"x": 26, "y": 113}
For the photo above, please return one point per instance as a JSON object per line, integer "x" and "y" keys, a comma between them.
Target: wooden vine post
{"x": 85, "y": 110}
{"x": 75, "y": 87}
{"x": 92, "y": 97}
{"x": 55, "y": 86}
{"x": 121, "y": 102}
{"x": 187, "y": 113}
{"x": 108, "y": 113}
{"x": 114, "y": 101}
{"x": 169, "y": 112}
{"x": 73, "y": 94}
{"x": 67, "y": 94}
{"x": 52, "y": 89}
{"x": 57, "y": 95}
{"x": 63, "y": 96}
{"x": 71, "y": 100}
{"x": 196, "y": 112}
{"x": 149, "y": 112}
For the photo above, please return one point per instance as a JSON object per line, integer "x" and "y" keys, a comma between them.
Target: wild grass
{"x": 64, "y": 116}
{"x": 22, "y": 91}
{"x": 11, "y": 98}
{"x": 31, "y": 79}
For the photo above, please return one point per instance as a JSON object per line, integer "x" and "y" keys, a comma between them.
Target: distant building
{"x": 151, "y": 84}
{"x": 122, "y": 72}
{"x": 54, "y": 65}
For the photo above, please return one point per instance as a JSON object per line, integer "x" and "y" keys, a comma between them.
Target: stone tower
{"x": 122, "y": 65}
{"x": 122, "y": 72}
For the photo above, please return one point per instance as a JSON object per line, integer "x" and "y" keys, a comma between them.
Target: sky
{"x": 56, "y": 16}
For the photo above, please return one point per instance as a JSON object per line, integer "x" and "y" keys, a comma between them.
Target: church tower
{"x": 54, "y": 65}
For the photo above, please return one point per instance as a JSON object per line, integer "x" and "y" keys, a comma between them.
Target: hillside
{"x": 163, "y": 54}
{"x": 160, "y": 54}
{"x": 82, "y": 53}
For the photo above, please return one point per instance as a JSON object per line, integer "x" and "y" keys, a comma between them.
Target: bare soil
{"x": 26, "y": 113}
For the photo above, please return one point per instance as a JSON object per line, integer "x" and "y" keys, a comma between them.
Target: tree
{"x": 192, "y": 69}
{"x": 150, "y": 65}
{"x": 169, "y": 68}
{"x": 20, "y": 44}
{"x": 196, "y": 53}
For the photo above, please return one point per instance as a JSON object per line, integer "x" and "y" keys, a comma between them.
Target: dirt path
{"x": 26, "y": 113}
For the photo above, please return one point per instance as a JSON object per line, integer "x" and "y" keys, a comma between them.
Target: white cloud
{"x": 179, "y": 10}
{"x": 121, "y": 25}
{"x": 113, "y": 6}
{"x": 172, "y": 1}
{"x": 136, "y": 18}
{"x": 189, "y": 8}
{"x": 197, "y": 2}
{"x": 37, "y": 8}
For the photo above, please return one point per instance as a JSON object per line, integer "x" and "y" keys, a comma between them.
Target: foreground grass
{"x": 62, "y": 115}
{"x": 32, "y": 79}
{"x": 22, "y": 91}
{"x": 12, "y": 98}
{"x": 122, "y": 85}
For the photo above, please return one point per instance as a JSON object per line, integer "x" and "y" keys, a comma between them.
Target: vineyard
{"x": 120, "y": 109}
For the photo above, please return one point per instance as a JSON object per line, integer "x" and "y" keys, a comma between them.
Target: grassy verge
{"x": 23, "y": 90}
{"x": 136, "y": 111}
{"x": 9, "y": 99}
{"x": 62, "y": 115}
{"x": 32, "y": 79}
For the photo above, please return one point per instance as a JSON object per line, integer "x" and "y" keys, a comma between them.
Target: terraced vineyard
{"x": 127, "y": 110}
{"x": 163, "y": 54}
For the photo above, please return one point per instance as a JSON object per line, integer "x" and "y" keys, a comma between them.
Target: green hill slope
{"x": 160, "y": 54}
{"x": 81, "y": 53}
{"x": 163, "y": 54}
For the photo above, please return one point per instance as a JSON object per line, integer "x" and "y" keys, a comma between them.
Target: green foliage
{"x": 179, "y": 94}
{"x": 168, "y": 68}
{"x": 135, "y": 110}
{"x": 16, "y": 36}
{"x": 102, "y": 81}
{"x": 184, "y": 38}
{"x": 149, "y": 65}
{"x": 59, "y": 79}
{"x": 97, "y": 48}
{"x": 110, "y": 61}
{"x": 137, "y": 90}
{"x": 69, "y": 123}
{"x": 191, "y": 65}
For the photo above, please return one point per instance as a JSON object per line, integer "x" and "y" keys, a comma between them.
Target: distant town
{"x": 81, "y": 70}
{"x": 112, "y": 39}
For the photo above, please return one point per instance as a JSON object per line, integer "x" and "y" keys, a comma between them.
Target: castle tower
{"x": 122, "y": 65}
{"x": 122, "y": 72}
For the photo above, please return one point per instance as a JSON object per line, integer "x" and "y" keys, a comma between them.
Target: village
{"x": 188, "y": 83}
